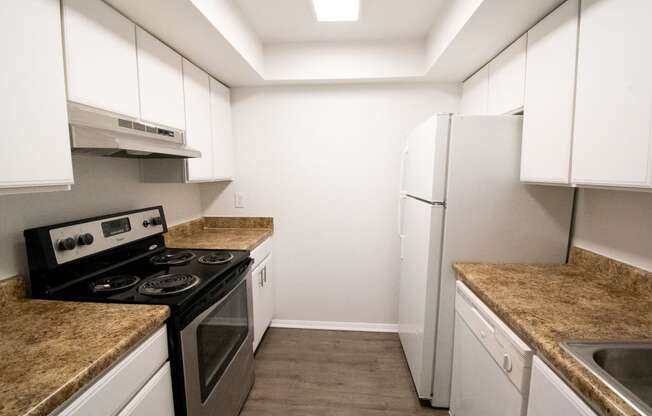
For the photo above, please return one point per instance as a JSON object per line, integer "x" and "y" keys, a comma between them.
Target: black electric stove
{"x": 122, "y": 258}
{"x": 149, "y": 280}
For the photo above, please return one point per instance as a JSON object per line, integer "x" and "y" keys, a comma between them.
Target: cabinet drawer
{"x": 116, "y": 388}
{"x": 155, "y": 398}
{"x": 506, "y": 348}
{"x": 261, "y": 252}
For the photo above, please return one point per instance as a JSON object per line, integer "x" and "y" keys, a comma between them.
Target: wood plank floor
{"x": 332, "y": 373}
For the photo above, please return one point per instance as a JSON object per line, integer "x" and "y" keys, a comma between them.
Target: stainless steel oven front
{"x": 217, "y": 354}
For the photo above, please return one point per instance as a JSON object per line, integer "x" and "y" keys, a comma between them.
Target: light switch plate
{"x": 240, "y": 200}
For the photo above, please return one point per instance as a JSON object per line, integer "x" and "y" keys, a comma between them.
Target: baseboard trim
{"x": 335, "y": 326}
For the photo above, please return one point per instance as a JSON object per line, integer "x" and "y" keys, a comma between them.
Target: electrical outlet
{"x": 240, "y": 199}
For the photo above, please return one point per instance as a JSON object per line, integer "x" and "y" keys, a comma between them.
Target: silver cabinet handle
{"x": 265, "y": 274}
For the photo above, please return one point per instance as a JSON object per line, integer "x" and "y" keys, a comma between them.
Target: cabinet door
{"x": 100, "y": 51}
{"x": 549, "y": 96}
{"x": 258, "y": 301}
{"x": 222, "y": 134}
{"x": 549, "y": 395}
{"x": 613, "y": 111}
{"x": 474, "y": 93}
{"x": 268, "y": 292}
{"x": 198, "y": 122}
{"x": 507, "y": 79}
{"x": 161, "y": 82}
{"x": 35, "y": 147}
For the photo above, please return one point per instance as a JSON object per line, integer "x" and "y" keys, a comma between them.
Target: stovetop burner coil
{"x": 169, "y": 284}
{"x": 171, "y": 258}
{"x": 114, "y": 283}
{"x": 216, "y": 258}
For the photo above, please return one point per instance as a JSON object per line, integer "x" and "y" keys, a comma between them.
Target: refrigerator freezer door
{"x": 425, "y": 161}
{"x": 423, "y": 225}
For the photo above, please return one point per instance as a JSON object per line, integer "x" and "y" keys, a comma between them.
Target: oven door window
{"x": 219, "y": 336}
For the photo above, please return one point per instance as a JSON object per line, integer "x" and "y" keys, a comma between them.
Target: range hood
{"x": 103, "y": 133}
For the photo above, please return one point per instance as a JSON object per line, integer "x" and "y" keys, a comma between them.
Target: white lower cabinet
{"x": 35, "y": 147}
{"x": 139, "y": 385}
{"x": 155, "y": 398}
{"x": 263, "y": 290}
{"x": 549, "y": 395}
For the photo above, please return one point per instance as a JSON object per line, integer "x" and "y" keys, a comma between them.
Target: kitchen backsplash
{"x": 102, "y": 185}
{"x": 615, "y": 224}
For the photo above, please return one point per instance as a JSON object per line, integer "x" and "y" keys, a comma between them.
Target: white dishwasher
{"x": 491, "y": 365}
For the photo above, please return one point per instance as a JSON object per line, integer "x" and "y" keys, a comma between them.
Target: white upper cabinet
{"x": 507, "y": 79}
{"x": 35, "y": 147}
{"x": 198, "y": 121}
{"x": 475, "y": 92}
{"x": 497, "y": 88}
{"x": 100, "y": 52}
{"x": 549, "y": 97}
{"x": 613, "y": 113}
{"x": 208, "y": 129}
{"x": 222, "y": 134}
{"x": 160, "y": 79}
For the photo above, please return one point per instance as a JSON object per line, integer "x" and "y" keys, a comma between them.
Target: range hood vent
{"x": 103, "y": 133}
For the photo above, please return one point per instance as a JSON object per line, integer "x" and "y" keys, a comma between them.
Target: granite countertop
{"x": 591, "y": 298}
{"x": 51, "y": 350}
{"x": 220, "y": 233}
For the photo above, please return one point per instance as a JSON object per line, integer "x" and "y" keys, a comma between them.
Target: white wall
{"x": 324, "y": 162}
{"x": 102, "y": 186}
{"x": 616, "y": 224}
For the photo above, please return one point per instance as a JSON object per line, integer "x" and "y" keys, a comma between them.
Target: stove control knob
{"x": 67, "y": 244}
{"x": 157, "y": 221}
{"x": 85, "y": 239}
{"x": 146, "y": 223}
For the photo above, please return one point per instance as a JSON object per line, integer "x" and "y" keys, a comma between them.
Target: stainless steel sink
{"x": 626, "y": 367}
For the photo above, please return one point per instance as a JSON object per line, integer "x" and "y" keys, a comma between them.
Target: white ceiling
{"x": 280, "y": 21}
{"x": 257, "y": 42}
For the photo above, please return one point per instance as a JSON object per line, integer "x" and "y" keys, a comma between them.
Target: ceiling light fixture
{"x": 337, "y": 10}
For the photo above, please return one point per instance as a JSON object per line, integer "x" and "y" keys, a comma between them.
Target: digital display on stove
{"x": 115, "y": 227}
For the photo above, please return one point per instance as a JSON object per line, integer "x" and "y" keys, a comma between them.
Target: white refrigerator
{"x": 461, "y": 200}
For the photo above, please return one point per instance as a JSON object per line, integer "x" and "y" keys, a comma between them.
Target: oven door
{"x": 217, "y": 350}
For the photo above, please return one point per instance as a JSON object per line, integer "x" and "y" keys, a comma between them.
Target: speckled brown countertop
{"x": 591, "y": 298}
{"x": 51, "y": 350}
{"x": 221, "y": 233}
